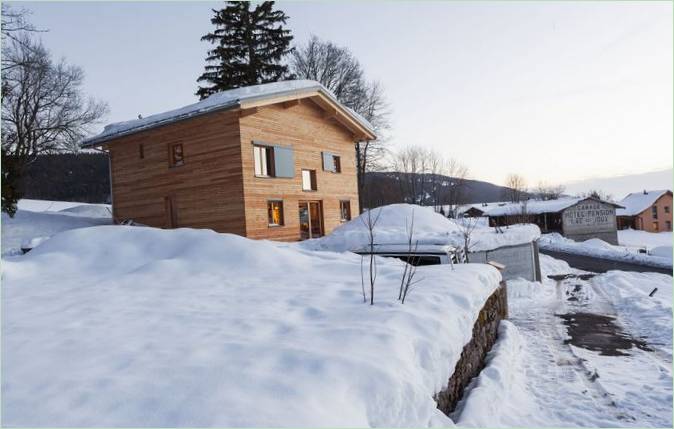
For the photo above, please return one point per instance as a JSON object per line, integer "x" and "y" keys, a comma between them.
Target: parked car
{"x": 423, "y": 254}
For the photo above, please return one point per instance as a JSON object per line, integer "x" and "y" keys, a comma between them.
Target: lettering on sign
{"x": 589, "y": 215}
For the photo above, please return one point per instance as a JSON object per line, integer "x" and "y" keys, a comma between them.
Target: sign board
{"x": 589, "y": 216}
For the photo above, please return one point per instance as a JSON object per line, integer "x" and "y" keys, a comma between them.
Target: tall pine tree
{"x": 249, "y": 47}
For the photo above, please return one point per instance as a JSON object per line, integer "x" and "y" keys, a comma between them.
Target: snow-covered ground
{"x": 133, "y": 326}
{"x": 655, "y": 243}
{"x": 535, "y": 378}
{"x": 38, "y": 219}
{"x": 601, "y": 249}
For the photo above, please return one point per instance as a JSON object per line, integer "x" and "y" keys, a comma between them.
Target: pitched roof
{"x": 538, "y": 206}
{"x": 637, "y": 202}
{"x": 225, "y": 100}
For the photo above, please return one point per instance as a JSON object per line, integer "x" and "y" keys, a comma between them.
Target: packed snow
{"x": 392, "y": 223}
{"x": 637, "y": 202}
{"x": 134, "y": 326}
{"x": 37, "y": 220}
{"x": 600, "y": 249}
{"x": 219, "y": 101}
{"x": 532, "y": 366}
{"x": 655, "y": 243}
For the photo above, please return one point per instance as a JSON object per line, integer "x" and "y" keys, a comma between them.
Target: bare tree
{"x": 467, "y": 226}
{"x": 370, "y": 223}
{"x": 516, "y": 188}
{"x": 43, "y": 111}
{"x": 410, "y": 268}
{"x": 546, "y": 191}
{"x": 426, "y": 177}
{"x": 339, "y": 71}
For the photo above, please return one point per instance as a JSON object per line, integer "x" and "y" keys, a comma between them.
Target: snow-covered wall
{"x": 473, "y": 355}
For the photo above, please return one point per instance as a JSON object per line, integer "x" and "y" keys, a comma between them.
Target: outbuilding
{"x": 575, "y": 218}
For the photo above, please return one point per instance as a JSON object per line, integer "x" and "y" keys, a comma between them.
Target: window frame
{"x": 313, "y": 184}
{"x": 268, "y": 159}
{"x": 341, "y": 210}
{"x": 141, "y": 151}
{"x": 270, "y": 204}
{"x": 654, "y": 212}
{"x": 337, "y": 162}
{"x": 668, "y": 225}
{"x": 172, "y": 159}
{"x": 666, "y": 209}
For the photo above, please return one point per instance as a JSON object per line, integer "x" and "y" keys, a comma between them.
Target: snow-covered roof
{"x": 538, "y": 206}
{"x": 637, "y": 202}
{"x": 222, "y": 101}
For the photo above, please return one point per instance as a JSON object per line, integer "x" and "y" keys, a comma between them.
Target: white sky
{"x": 555, "y": 91}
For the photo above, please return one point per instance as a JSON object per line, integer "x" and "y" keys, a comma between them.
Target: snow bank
{"x": 429, "y": 228}
{"x": 649, "y": 317}
{"x": 48, "y": 205}
{"x": 132, "y": 326}
{"x": 28, "y": 225}
{"x": 503, "y": 377}
{"x": 636, "y": 238}
{"x": 600, "y": 249}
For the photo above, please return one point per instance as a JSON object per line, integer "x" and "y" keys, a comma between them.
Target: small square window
{"x": 275, "y": 213}
{"x": 345, "y": 210}
{"x": 177, "y": 155}
{"x": 668, "y": 225}
{"x": 666, "y": 209}
{"x": 331, "y": 162}
{"x": 309, "y": 180}
{"x": 338, "y": 163}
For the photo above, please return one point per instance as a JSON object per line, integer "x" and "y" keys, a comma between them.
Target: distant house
{"x": 576, "y": 218}
{"x": 648, "y": 211}
{"x": 273, "y": 161}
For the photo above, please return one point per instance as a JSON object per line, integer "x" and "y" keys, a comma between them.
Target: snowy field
{"x": 595, "y": 247}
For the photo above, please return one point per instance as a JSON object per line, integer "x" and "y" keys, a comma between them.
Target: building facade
{"x": 274, "y": 161}
{"x": 648, "y": 211}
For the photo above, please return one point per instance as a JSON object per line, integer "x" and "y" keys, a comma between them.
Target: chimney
{"x": 645, "y": 192}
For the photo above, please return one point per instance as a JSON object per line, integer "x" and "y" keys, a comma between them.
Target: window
{"x": 345, "y": 210}
{"x": 273, "y": 161}
{"x": 141, "y": 151}
{"x": 666, "y": 209}
{"x": 309, "y": 180}
{"x": 668, "y": 225}
{"x": 332, "y": 162}
{"x": 654, "y": 212}
{"x": 656, "y": 227}
{"x": 264, "y": 161}
{"x": 176, "y": 156}
{"x": 275, "y": 213}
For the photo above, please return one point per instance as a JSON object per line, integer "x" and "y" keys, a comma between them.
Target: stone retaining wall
{"x": 472, "y": 357}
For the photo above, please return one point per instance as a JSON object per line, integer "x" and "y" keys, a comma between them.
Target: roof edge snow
{"x": 227, "y": 100}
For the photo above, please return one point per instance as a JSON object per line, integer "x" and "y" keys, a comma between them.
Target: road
{"x": 599, "y": 265}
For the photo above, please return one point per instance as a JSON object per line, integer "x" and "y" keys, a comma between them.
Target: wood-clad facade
{"x": 201, "y": 172}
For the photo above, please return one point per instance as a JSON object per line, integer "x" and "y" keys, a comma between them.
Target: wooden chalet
{"x": 274, "y": 161}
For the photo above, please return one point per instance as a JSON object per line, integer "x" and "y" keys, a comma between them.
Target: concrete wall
{"x": 472, "y": 357}
{"x": 520, "y": 260}
{"x": 590, "y": 219}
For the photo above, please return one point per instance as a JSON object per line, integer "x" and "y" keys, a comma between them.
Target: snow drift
{"x": 393, "y": 221}
{"x": 130, "y": 326}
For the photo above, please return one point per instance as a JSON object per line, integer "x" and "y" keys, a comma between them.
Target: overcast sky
{"x": 555, "y": 91}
